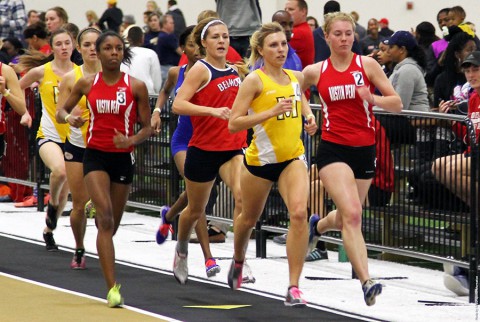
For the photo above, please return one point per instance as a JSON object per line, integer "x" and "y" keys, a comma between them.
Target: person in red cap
{"x": 384, "y": 30}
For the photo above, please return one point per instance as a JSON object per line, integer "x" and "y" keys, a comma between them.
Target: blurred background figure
{"x": 12, "y": 19}
{"x": 92, "y": 19}
{"x": 55, "y": 18}
{"x": 384, "y": 30}
{"x": 312, "y": 22}
{"x": 33, "y": 16}
{"x": 153, "y": 7}
{"x": 178, "y": 17}
{"x": 111, "y": 18}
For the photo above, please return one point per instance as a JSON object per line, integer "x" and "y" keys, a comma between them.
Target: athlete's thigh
{"x": 52, "y": 156}
{"x": 76, "y": 182}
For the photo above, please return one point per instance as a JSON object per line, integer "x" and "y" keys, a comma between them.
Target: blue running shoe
{"x": 370, "y": 291}
{"x": 164, "y": 227}
{"x": 312, "y": 231}
{"x": 212, "y": 267}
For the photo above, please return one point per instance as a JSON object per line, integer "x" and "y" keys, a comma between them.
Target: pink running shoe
{"x": 294, "y": 297}
{"x": 78, "y": 260}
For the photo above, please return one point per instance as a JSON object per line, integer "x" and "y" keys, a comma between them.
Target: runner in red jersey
{"x": 114, "y": 100}
{"x": 207, "y": 95}
{"x": 346, "y": 154}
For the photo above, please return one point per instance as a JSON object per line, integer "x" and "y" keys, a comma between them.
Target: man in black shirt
{"x": 112, "y": 17}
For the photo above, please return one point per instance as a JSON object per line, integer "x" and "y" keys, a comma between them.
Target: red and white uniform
{"x": 347, "y": 119}
{"x": 111, "y": 107}
{"x": 211, "y": 133}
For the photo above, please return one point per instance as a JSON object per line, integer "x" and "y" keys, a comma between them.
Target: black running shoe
{"x": 50, "y": 242}
{"x": 51, "y": 219}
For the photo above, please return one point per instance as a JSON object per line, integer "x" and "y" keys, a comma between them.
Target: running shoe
{"x": 211, "y": 267}
{"x": 235, "y": 275}
{"x": 247, "y": 275}
{"x": 458, "y": 284}
{"x": 90, "y": 210}
{"x": 294, "y": 297}
{"x": 280, "y": 240}
{"x": 51, "y": 219}
{"x": 370, "y": 291}
{"x": 114, "y": 298}
{"x": 180, "y": 267}
{"x": 78, "y": 260}
{"x": 312, "y": 232}
{"x": 165, "y": 226}
{"x": 316, "y": 255}
{"x": 30, "y": 201}
{"x": 50, "y": 244}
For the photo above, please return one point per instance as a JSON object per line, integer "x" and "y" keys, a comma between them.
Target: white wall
{"x": 394, "y": 10}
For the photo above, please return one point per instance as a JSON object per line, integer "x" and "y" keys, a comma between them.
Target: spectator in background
{"x": 425, "y": 35}
{"x": 454, "y": 171}
{"x": 312, "y": 22}
{"x": 127, "y": 20}
{"x": 452, "y": 78}
{"x": 168, "y": 49}
{"x": 144, "y": 64}
{"x": 153, "y": 7}
{"x": 384, "y": 30}
{"x": 92, "y": 19}
{"x": 472, "y": 26}
{"x": 112, "y": 17}
{"x": 146, "y": 14}
{"x": 55, "y": 18}
{"x": 178, "y": 17}
{"x": 151, "y": 36}
{"x": 384, "y": 59}
{"x": 371, "y": 42}
{"x": 36, "y": 37}
{"x": 435, "y": 50}
{"x": 12, "y": 19}
{"x": 13, "y": 48}
{"x": 242, "y": 18}
{"x": 407, "y": 77}
{"x": 302, "y": 40}
{"x": 285, "y": 20}
{"x": 32, "y": 17}
{"x": 359, "y": 29}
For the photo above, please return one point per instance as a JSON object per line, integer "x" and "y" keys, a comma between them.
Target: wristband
{"x": 157, "y": 109}
{"x": 6, "y": 93}
{"x": 66, "y": 118}
{"x": 310, "y": 116}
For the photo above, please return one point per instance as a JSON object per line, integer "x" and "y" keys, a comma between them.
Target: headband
{"x": 204, "y": 30}
{"x": 88, "y": 29}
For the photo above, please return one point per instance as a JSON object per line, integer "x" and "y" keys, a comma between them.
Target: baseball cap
{"x": 402, "y": 38}
{"x": 472, "y": 59}
{"x": 383, "y": 20}
{"x": 111, "y": 1}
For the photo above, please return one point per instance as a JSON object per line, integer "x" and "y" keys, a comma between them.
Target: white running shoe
{"x": 180, "y": 267}
{"x": 247, "y": 275}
